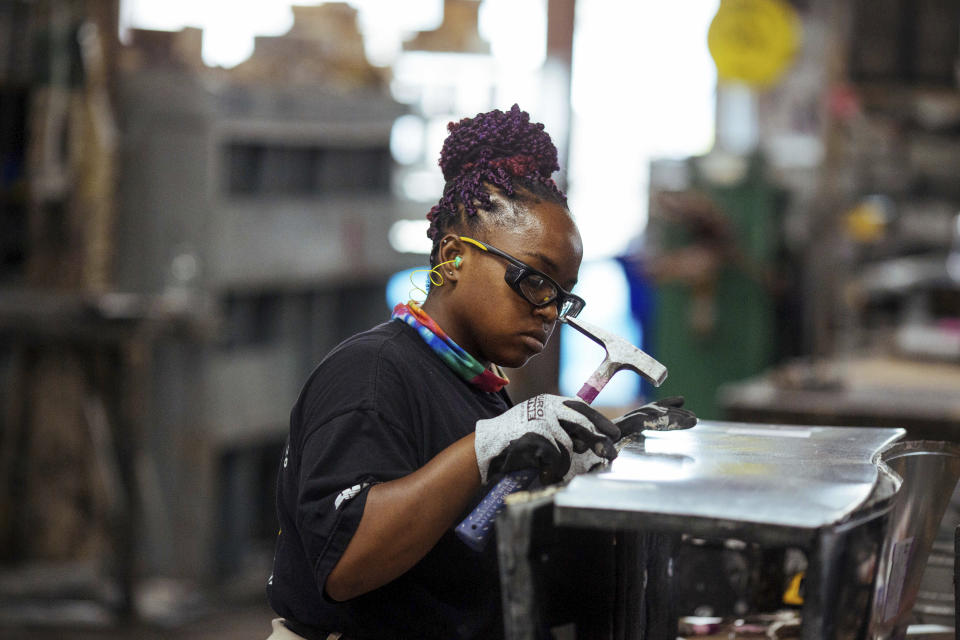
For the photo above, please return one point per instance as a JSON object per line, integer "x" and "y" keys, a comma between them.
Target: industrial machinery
{"x": 604, "y": 556}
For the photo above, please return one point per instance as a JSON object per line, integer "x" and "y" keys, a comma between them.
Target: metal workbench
{"x": 922, "y": 396}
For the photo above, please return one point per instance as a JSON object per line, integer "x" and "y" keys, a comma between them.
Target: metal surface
{"x": 783, "y": 477}
{"x": 824, "y": 490}
{"x": 930, "y": 471}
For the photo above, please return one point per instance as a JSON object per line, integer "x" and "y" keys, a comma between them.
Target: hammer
{"x": 620, "y": 354}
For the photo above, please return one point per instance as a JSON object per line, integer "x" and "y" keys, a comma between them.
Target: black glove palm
{"x": 663, "y": 415}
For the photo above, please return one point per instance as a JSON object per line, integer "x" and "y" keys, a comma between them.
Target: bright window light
{"x": 444, "y": 83}
{"x": 605, "y": 287}
{"x": 410, "y": 236}
{"x": 422, "y": 185}
{"x": 643, "y": 87}
{"x": 229, "y": 26}
{"x": 516, "y": 31}
{"x": 406, "y": 139}
{"x": 385, "y": 24}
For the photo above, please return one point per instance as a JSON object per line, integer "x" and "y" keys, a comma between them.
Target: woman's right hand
{"x": 560, "y": 437}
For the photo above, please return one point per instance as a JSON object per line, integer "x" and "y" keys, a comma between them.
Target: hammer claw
{"x": 620, "y": 354}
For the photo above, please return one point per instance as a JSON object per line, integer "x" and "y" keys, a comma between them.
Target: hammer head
{"x": 620, "y": 354}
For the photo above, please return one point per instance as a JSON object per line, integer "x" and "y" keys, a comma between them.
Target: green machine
{"x": 711, "y": 259}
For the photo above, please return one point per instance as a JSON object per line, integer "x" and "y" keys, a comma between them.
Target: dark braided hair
{"x": 504, "y": 151}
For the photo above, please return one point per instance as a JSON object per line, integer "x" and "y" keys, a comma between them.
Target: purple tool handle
{"x": 588, "y": 392}
{"x": 476, "y": 528}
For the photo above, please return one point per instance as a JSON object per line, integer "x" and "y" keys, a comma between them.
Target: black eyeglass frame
{"x": 518, "y": 270}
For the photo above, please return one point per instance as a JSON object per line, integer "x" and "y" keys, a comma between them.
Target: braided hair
{"x": 493, "y": 150}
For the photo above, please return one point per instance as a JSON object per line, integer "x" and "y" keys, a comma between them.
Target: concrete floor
{"x": 238, "y": 621}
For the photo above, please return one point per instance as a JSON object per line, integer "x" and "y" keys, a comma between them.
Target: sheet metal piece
{"x": 717, "y": 473}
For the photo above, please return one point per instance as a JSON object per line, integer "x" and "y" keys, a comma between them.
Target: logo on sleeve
{"x": 535, "y": 408}
{"x": 349, "y": 494}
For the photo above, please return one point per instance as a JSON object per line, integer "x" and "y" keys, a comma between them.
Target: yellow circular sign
{"x": 753, "y": 41}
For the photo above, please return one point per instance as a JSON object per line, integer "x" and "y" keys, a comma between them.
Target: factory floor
{"x": 248, "y": 620}
{"x": 77, "y": 601}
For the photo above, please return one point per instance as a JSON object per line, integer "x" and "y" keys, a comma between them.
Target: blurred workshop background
{"x": 199, "y": 198}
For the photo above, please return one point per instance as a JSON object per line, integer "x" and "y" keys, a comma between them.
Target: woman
{"x": 399, "y": 429}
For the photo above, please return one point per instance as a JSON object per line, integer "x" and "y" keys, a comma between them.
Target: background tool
{"x": 620, "y": 354}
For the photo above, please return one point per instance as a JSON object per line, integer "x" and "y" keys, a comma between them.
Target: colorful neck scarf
{"x": 464, "y": 364}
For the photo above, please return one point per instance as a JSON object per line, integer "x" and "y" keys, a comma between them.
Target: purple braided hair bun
{"x": 493, "y": 148}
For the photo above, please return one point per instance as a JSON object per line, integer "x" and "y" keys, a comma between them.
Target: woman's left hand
{"x": 667, "y": 414}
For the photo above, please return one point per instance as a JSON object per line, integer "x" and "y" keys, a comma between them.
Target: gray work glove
{"x": 560, "y": 437}
{"x": 667, "y": 414}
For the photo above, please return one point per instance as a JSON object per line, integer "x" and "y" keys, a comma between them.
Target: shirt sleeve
{"x": 340, "y": 460}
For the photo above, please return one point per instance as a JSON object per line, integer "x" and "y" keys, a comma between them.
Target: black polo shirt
{"x": 378, "y": 407}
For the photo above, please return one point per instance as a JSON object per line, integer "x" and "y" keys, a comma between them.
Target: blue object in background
{"x": 643, "y": 304}
{"x": 399, "y": 288}
{"x": 604, "y": 286}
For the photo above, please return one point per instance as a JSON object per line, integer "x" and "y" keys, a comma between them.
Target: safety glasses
{"x": 534, "y": 286}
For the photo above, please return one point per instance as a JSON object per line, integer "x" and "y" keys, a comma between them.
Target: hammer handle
{"x": 588, "y": 392}
{"x": 476, "y": 528}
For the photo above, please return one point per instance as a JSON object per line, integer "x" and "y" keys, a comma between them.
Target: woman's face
{"x": 492, "y": 321}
